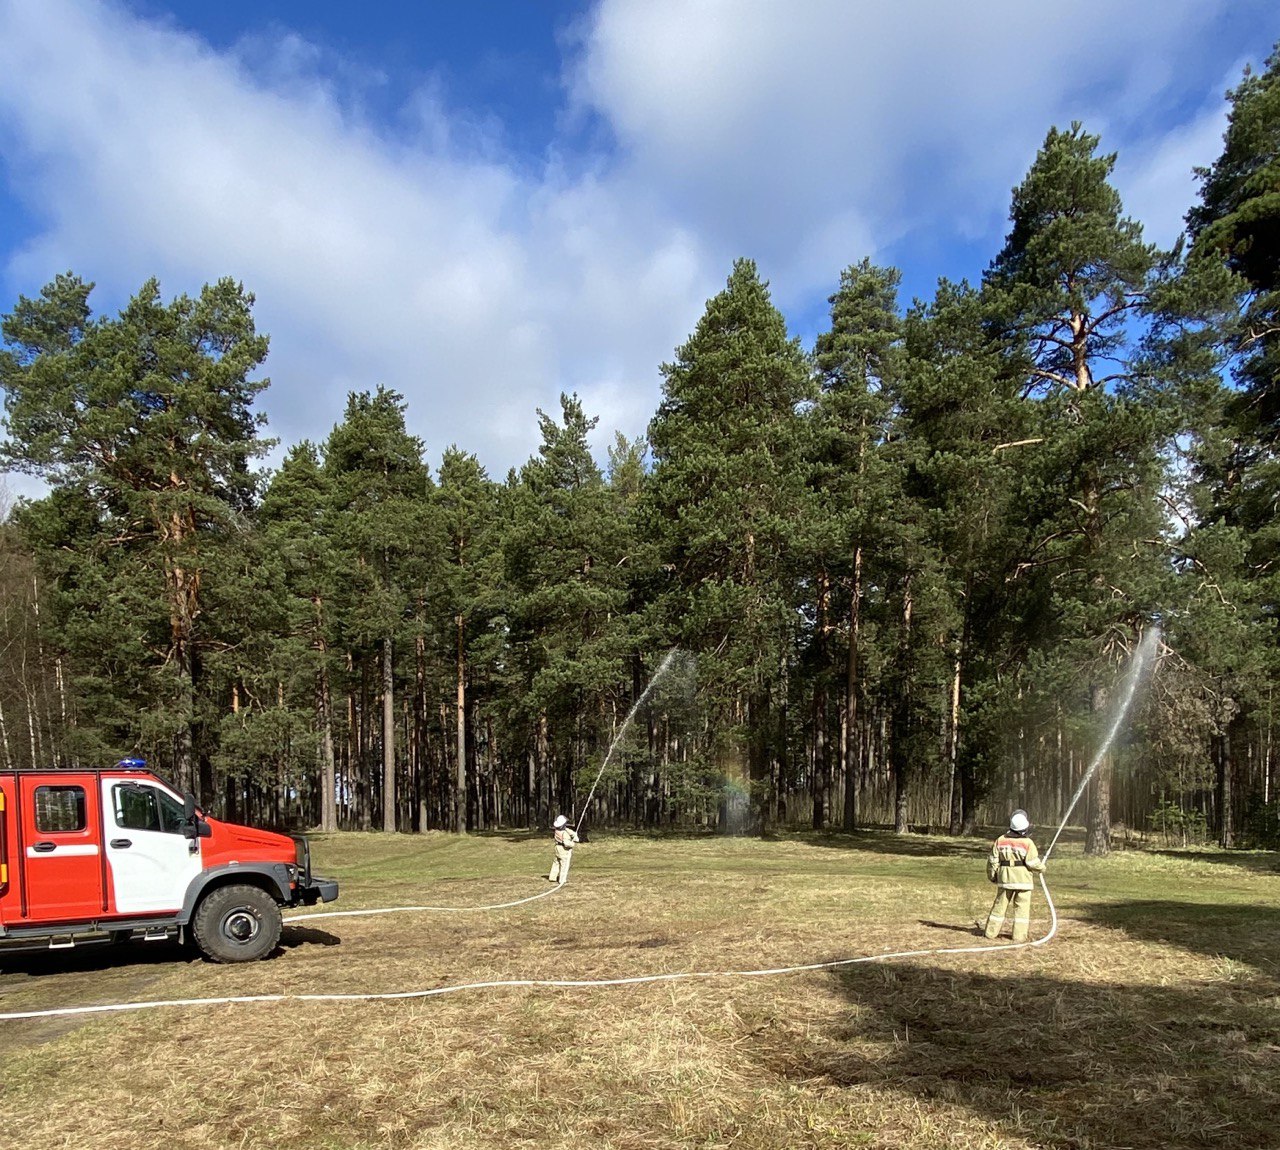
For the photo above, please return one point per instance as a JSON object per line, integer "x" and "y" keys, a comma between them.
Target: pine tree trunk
{"x": 328, "y": 771}
{"x": 40, "y": 678}
{"x": 1225, "y": 769}
{"x": 421, "y": 749}
{"x": 388, "y": 740}
{"x": 851, "y": 748}
{"x": 955, "y": 822}
{"x": 821, "y": 767}
{"x": 900, "y": 747}
{"x": 1098, "y": 839}
{"x": 821, "y": 763}
{"x": 4, "y": 740}
{"x": 544, "y": 771}
{"x": 460, "y": 762}
{"x": 184, "y": 767}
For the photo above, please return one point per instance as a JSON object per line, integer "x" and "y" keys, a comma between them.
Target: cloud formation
{"x": 480, "y": 284}
{"x": 805, "y": 125}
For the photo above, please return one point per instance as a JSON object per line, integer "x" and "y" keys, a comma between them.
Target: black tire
{"x": 236, "y": 923}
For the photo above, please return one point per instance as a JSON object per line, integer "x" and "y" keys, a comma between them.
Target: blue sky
{"x": 484, "y": 204}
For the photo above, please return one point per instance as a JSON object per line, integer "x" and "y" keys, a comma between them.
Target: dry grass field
{"x": 1152, "y": 1020}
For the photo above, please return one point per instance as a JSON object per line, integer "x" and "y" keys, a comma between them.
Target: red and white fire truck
{"x": 117, "y": 853}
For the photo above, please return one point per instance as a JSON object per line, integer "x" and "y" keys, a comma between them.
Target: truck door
{"x": 5, "y": 863}
{"x": 62, "y": 864}
{"x": 151, "y": 864}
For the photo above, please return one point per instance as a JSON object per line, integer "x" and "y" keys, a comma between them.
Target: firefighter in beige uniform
{"x": 1013, "y": 857}
{"x": 566, "y": 836}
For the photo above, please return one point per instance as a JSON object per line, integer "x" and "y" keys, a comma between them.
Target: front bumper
{"x": 318, "y": 890}
{"x": 310, "y": 889}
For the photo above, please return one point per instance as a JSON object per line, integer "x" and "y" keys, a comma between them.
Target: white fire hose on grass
{"x": 532, "y": 983}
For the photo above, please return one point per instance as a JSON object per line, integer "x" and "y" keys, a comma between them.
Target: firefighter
{"x": 565, "y": 836}
{"x": 1013, "y": 857}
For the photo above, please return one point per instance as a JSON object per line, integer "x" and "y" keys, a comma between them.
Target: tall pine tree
{"x": 725, "y": 502}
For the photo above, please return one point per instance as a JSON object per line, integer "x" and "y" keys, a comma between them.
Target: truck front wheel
{"x": 236, "y": 923}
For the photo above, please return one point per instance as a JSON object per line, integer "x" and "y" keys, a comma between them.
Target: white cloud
{"x": 480, "y": 285}
{"x": 792, "y": 123}
{"x": 1156, "y": 178}
{"x": 475, "y": 291}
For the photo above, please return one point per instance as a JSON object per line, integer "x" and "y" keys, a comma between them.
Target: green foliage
{"x": 725, "y": 505}
{"x": 1178, "y": 827}
{"x": 142, "y": 426}
{"x": 1237, "y": 223}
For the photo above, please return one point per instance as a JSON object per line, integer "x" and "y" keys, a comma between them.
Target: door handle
{"x": 120, "y": 844}
{"x": 45, "y": 847}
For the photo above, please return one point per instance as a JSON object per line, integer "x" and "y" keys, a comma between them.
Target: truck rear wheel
{"x": 237, "y": 923}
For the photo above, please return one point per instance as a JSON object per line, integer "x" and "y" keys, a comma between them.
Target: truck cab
{"x": 117, "y": 853}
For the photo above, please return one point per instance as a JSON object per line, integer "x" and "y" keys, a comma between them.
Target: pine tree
{"x": 1235, "y": 549}
{"x": 857, "y": 485}
{"x": 563, "y": 552}
{"x": 960, "y": 408}
{"x": 1073, "y": 274}
{"x": 143, "y": 428}
{"x": 382, "y": 492}
{"x": 724, "y": 501}
{"x": 466, "y": 502}
{"x": 296, "y": 521}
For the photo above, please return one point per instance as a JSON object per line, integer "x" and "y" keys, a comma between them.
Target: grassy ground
{"x": 1151, "y": 1021}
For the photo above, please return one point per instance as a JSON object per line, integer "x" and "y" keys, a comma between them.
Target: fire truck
{"x": 117, "y": 854}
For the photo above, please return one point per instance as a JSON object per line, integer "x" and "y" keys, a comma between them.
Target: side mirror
{"x": 193, "y": 827}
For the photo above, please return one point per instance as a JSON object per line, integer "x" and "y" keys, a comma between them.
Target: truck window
{"x": 60, "y": 809}
{"x": 140, "y": 808}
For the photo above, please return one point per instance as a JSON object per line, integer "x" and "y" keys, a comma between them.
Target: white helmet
{"x": 561, "y": 821}
{"x": 1019, "y": 822}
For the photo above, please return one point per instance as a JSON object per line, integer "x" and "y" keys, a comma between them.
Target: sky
{"x": 484, "y": 204}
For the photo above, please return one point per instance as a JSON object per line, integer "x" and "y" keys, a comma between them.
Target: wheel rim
{"x": 240, "y": 926}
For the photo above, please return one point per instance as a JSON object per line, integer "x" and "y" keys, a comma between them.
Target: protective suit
{"x": 565, "y": 837}
{"x": 1010, "y": 865}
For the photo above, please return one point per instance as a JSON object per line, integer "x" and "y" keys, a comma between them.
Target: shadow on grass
{"x": 102, "y": 957}
{"x": 293, "y": 936}
{"x": 1058, "y": 1063}
{"x": 886, "y": 842}
{"x": 1247, "y": 934}
{"x": 971, "y": 928}
{"x": 93, "y": 957}
{"x": 872, "y": 840}
{"x": 1259, "y": 862}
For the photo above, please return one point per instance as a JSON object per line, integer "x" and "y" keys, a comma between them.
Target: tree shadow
{"x": 1258, "y": 862}
{"x": 516, "y": 835}
{"x": 887, "y": 842}
{"x": 1056, "y": 1062}
{"x": 1246, "y": 934}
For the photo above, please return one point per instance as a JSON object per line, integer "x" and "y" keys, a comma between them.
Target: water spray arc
{"x": 1138, "y": 665}
{"x": 631, "y": 714}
